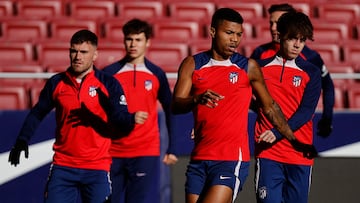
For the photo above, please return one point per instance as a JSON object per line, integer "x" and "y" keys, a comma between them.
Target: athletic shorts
{"x": 201, "y": 175}
{"x": 68, "y": 185}
{"x": 277, "y": 182}
{"x": 135, "y": 180}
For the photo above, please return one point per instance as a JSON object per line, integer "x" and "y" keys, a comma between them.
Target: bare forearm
{"x": 182, "y": 105}
{"x": 277, "y": 118}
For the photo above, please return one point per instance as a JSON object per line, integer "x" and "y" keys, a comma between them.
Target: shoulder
{"x": 114, "y": 67}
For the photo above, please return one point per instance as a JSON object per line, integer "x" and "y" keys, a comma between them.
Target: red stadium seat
{"x": 199, "y": 45}
{"x": 64, "y": 28}
{"x": 177, "y": 31}
{"x": 331, "y": 31}
{"x": 16, "y": 52}
{"x": 112, "y": 29}
{"x": 15, "y": 29}
{"x": 6, "y": 8}
{"x": 109, "y": 52}
{"x": 248, "y": 10}
{"x": 168, "y": 55}
{"x": 26, "y": 80}
{"x": 351, "y": 51}
{"x": 40, "y": 9}
{"x": 354, "y": 96}
{"x": 261, "y": 29}
{"x": 330, "y": 52}
{"x": 191, "y": 10}
{"x": 300, "y": 5}
{"x": 338, "y": 11}
{"x": 92, "y": 10}
{"x": 140, "y": 9}
{"x": 340, "y": 101}
{"x": 35, "y": 92}
{"x": 13, "y": 98}
{"x": 53, "y": 53}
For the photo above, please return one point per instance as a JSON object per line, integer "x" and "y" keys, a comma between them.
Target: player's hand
{"x": 267, "y": 136}
{"x": 81, "y": 116}
{"x": 324, "y": 127}
{"x": 208, "y": 98}
{"x": 141, "y": 117}
{"x": 309, "y": 151}
{"x": 104, "y": 101}
{"x": 14, "y": 156}
{"x": 170, "y": 159}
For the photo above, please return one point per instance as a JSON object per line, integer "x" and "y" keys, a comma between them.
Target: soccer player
{"x": 283, "y": 174}
{"x": 324, "y": 126}
{"x": 89, "y": 111}
{"x": 216, "y": 85}
{"x": 135, "y": 169}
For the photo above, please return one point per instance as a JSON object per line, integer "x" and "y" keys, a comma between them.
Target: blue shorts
{"x": 67, "y": 184}
{"x": 201, "y": 175}
{"x": 277, "y": 182}
{"x": 135, "y": 180}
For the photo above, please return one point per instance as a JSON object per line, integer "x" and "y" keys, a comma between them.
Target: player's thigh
{"x": 143, "y": 184}
{"x": 95, "y": 186}
{"x": 269, "y": 181}
{"x": 298, "y": 182}
{"x": 62, "y": 185}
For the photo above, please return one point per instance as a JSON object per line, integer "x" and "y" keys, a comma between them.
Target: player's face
{"x": 226, "y": 39}
{"x": 82, "y": 58}
{"x": 135, "y": 46}
{"x": 293, "y": 46}
{"x": 274, "y": 17}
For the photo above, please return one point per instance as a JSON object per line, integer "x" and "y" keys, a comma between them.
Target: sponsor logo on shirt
{"x": 148, "y": 85}
{"x": 297, "y": 81}
{"x": 233, "y": 77}
{"x": 122, "y": 100}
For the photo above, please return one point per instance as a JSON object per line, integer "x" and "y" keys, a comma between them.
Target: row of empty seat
{"x": 34, "y": 36}
{"x": 50, "y": 53}
{"x": 326, "y": 9}
{"x": 15, "y": 95}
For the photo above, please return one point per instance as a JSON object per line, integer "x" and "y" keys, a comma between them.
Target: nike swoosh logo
{"x": 39, "y": 155}
{"x": 224, "y": 177}
{"x": 140, "y": 174}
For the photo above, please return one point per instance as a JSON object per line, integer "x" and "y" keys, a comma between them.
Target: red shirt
{"x": 221, "y": 133}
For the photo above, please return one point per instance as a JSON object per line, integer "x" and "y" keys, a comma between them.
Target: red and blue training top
{"x": 221, "y": 133}
{"x": 79, "y": 146}
{"x": 295, "y": 85}
{"x": 270, "y": 49}
{"x": 145, "y": 85}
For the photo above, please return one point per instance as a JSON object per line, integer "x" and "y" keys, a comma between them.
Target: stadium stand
{"x": 338, "y": 11}
{"x": 13, "y": 97}
{"x": 64, "y": 27}
{"x": 191, "y": 10}
{"x": 16, "y": 52}
{"x": 15, "y": 29}
{"x": 39, "y": 9}
{"x": 248, "y": 10}
{"x": 6, "y": 8}
{"x": 138, "y": 9}
{"x": 94, "y": 10}
{"x": 180, "y": 28}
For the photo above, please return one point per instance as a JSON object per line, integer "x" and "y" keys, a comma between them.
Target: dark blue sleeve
{"x": 117, "y": 113}
{"x": 308, "y": 103}
{"x": 327, "y": 84}
{"x": 41, "y": 109}
{"x": 164, "y": 97}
